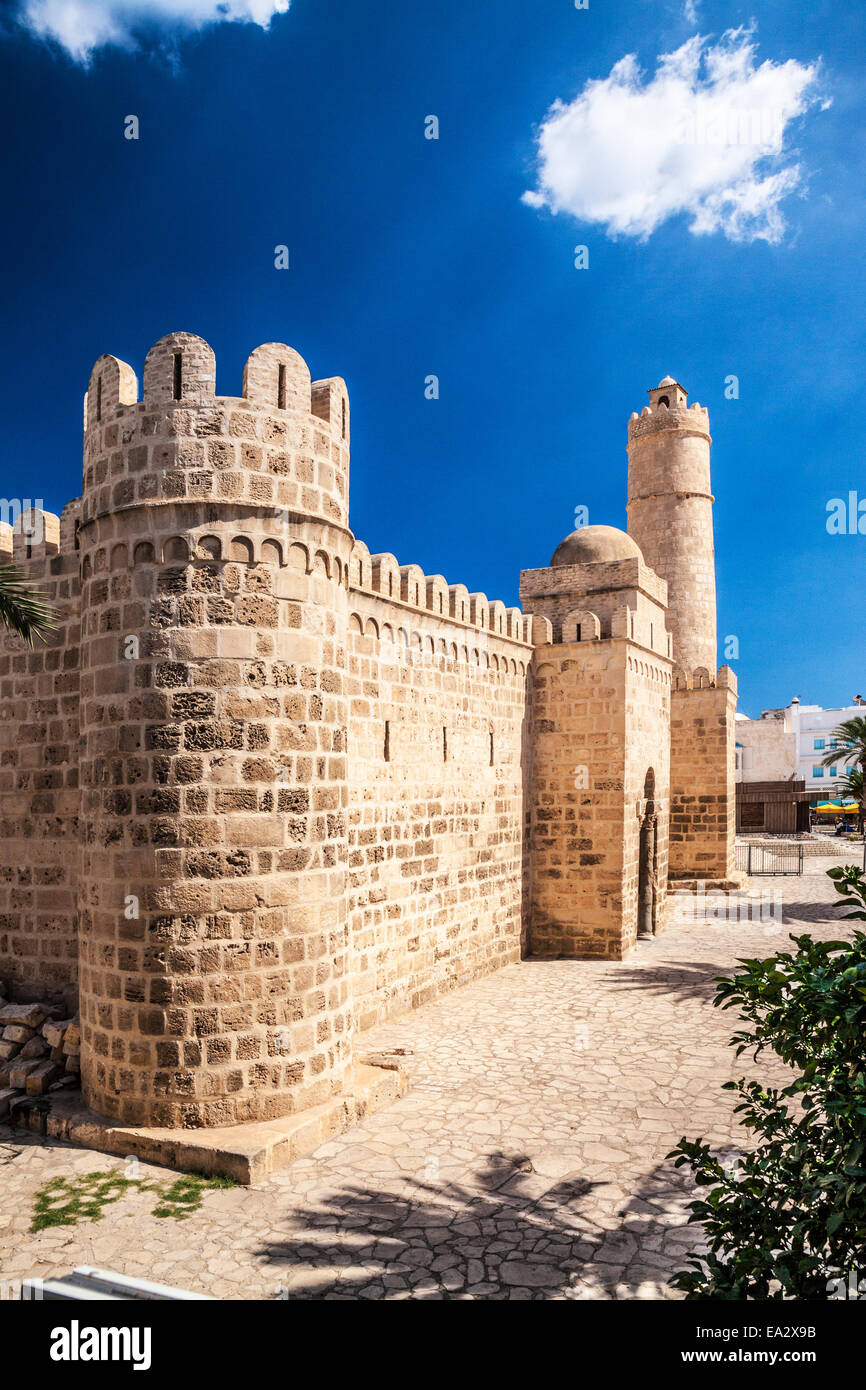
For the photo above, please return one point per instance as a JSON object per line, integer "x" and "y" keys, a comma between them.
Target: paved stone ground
{"x": 527, "y": 1161}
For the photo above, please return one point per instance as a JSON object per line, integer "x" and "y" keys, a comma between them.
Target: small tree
{"x": 22, "y": 610}
{"x": 790, "y": 1218}
{"x": 848, "y": 742}
{"x": 851, "y": 785}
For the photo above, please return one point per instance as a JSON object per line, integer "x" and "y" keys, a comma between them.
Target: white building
{"x": 789, "y": 745}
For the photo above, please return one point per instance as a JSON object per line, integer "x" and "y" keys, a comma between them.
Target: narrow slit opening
{"x": 281, "y": 387}
{"x": 387, "y": 749}
{"x": 178, "y": 375}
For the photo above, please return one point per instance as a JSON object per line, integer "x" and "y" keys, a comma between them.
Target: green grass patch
{"x": 65, "y": 1201}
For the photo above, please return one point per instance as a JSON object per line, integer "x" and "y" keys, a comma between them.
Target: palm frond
{"x": 22, "y": 609}
{"x": 849, "y": 740}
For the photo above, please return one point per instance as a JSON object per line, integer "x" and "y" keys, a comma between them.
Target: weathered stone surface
{"x": 22, "y": 1015}
{"x": 54, "y": 1033}
{"x": 41, "y": 1077}
{"x": 19, "y": 1071}
{"x": 14, "y": 1032}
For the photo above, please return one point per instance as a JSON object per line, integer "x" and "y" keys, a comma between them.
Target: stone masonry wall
{"x": 703, "y": 819}
{"x": 438, "y": 763}
{"x": 600, "y": 719}
{"x": 213, "y": 933}
{"x": 39, "y": 768}
{"x": 670, "y": 516}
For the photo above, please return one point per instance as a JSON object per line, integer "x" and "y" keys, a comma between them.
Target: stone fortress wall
{"x": 263, "y": 789}
{"x": 439, "y": 754}
{"x": 39, "y": 796}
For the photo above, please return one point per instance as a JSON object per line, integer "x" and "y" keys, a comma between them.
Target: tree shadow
{"x": 684, "y": 980}
{"x": 505, "y": 1233}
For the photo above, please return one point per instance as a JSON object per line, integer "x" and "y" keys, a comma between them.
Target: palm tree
{"x": 851, "y": 785}
{"x": 849, "y": 745}
{"x": 22, "y": 610}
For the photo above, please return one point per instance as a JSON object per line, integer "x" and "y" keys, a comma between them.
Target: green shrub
{"x": 789, "y": 1219}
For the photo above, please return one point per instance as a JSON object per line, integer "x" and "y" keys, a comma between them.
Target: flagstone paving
{"x": 526, "y": 1162}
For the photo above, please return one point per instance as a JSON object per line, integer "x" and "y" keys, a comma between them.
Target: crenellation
{"x": 386, "y": 575}
{"x": 35, "y": 538}
{"x": 438, "y": 597}
{"x": 179, "y": 372}
{"x": 413, "y": 586}
{"x": 458, "y": 604}
{"x": 277, "y": 378}
{"x": 479, "y": 610}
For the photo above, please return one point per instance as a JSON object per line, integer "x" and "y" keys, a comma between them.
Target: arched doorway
{"x": 647, "y": 877}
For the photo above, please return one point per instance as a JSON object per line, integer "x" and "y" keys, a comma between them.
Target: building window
{"x": 833, "y": 771}
{"x": 819, "y": 743}
{"x": 817, "y": 772}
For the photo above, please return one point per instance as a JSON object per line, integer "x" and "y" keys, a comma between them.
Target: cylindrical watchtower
{"x": 214, "y": 547}
{"x": 670, "y": 515}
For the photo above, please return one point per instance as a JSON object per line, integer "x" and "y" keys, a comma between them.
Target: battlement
{"x": 33, "y": 536}
{"x": 407, "y": 585}
{"x": 180, "y": 371}
{"x": 605, "y": 575}
{"x": 701, "y": 679}
{"x": 284, "y": 441}
{"x": 688, "y": 419}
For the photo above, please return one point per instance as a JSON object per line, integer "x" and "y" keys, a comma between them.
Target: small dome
{"x": 593, "y": 545}
{"x": 667, "y": 381}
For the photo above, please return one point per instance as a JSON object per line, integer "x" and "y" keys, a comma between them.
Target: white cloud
{"x": 705, "y": 136}
{"x": 690, "y": 12}
{"x": 81, "y": 26}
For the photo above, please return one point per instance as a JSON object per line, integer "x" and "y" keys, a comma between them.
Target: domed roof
{"x": 592, "y": 545}
{"x": 667, "y": 381}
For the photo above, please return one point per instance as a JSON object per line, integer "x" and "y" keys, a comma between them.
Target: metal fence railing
{"x": 757, "y": 860}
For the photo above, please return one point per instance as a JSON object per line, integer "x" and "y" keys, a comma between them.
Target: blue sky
{"x": 412, "y": 257}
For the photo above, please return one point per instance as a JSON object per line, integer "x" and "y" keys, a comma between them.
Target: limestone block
{"x": 19, "y": 1072}
{"x": 41, "y": 1077}
{"x": 54, "y": 1033}
{"x": 15, "y": 1033}
{"x": 24, "y": 1015}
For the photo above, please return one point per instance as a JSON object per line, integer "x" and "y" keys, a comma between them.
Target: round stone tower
{"x": 670, "y": 516}
{"x": 214, "y": 545}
